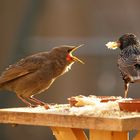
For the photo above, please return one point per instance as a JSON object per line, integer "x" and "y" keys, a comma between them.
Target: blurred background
{"x": 31, "y": 26}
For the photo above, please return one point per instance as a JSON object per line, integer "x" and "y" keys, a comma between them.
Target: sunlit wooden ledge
{"x": 73, "y": 125}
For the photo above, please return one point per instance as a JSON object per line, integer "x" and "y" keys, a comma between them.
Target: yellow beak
{"x": 74, "y": 57}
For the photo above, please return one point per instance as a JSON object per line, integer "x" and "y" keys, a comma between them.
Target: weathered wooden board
{"x": 62, "y": 133}
{"x": 108, "y": 135}
{"x": 31, "y": 117}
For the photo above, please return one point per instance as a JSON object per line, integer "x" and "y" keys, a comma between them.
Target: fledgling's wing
{"x": 23, "y": 67}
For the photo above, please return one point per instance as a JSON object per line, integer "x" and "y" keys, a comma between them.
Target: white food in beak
{"x": 112, "y": 45}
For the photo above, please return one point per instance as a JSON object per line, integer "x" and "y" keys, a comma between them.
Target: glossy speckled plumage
{"x": 129, "y": 59}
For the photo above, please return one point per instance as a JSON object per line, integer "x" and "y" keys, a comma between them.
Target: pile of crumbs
{"x": 89, "y": 106}
{"x": 86, "y": 106}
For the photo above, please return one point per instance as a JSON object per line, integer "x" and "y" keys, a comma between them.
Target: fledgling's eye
{"x": 69, "y": 50}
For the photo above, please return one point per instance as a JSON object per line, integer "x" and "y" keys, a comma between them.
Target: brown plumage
{"x": 129, "y": 59}
{"x": 35, "y": 74}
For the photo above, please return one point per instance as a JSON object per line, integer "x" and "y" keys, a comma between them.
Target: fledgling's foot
{"x": 33, "y": 106}
{"x": 46, "y": 106}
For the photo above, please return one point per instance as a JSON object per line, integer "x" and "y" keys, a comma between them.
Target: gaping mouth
{"x": 113, "y": 45}
{"x": 74, "y": 57}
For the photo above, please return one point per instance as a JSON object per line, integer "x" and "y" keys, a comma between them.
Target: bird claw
{"x": 33, "y": 106}
{"x": 46, "y": 106}
{"x": 127, "y": 79}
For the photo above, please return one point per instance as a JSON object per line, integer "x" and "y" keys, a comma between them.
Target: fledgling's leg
{"x": 38, "y": 102}
{"x": 25, "y": 101}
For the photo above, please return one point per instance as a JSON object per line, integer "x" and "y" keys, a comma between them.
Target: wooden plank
{"x": 44, "y": 119}
{"x": 80, "y": 134}
{"x": 129, "y": 124}
{"x": 137, "y": 137}
{"x": 33, "y": 117}
{"x": 98, "y": 135}
{"x": 108, "y": 135}
{"x": 120, "y": 135}
{"x": 62, "y": 133}
{"x": 57, "y": 133}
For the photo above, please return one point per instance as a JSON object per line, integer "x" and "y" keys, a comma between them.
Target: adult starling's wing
{"x": 130, "y": 66}
{"x": 23, "y": 67}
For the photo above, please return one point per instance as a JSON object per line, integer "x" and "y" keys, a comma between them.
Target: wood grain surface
{"x": 28, "y": 116}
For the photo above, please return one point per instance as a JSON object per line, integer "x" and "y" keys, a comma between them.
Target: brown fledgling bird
{"x": 129, "y": 58}
{"x": 35, "y": 74}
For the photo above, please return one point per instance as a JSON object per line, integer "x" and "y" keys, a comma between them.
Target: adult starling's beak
{"x": 74, "y": 57}
{"x": 113, "y": 45}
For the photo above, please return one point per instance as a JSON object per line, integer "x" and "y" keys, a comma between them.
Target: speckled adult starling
{"x": 129, "y": 58}
{"x": 35, "y": 74}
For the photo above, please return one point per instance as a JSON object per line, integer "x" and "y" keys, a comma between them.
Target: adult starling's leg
{"x": 25, "y": 101}
{"x": 38, "y": 102}
{"x": 126, "y": 86}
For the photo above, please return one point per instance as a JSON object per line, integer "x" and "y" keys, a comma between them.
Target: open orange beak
{"x": 74, "y": 57}
{"x": 113, "y": 45}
